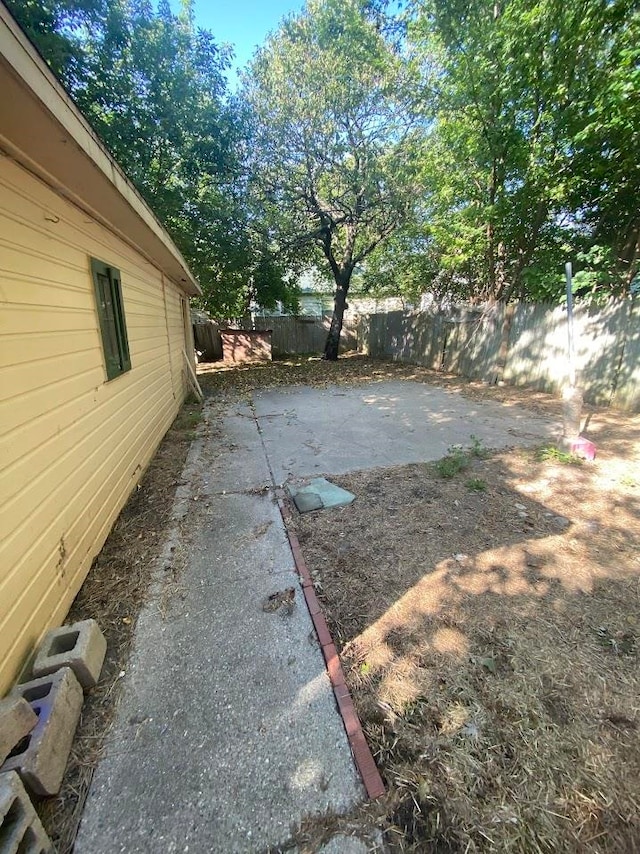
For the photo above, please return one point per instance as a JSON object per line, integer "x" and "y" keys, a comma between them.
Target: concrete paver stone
{"x": 306, "y": 502}
{"x": 21, "y": 831}
{"x": 17, "y": 719}
{"x": 57, "y": 701}
{"x": 319, "y": 494}
{"x": 341, "y": 844}
{"x": 80, "y": 646}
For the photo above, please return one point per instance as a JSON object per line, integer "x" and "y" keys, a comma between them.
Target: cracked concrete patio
{"x": 227, "y": 733}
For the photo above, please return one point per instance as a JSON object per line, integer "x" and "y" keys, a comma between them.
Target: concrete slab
{"x": 306, "y": 502}
{"x": 227, "y": 732}
{"x": 381, "y": 424}
{"x": 233, "y": 458}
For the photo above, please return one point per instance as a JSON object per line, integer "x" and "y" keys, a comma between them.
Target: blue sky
{"x": 243, "y": 23}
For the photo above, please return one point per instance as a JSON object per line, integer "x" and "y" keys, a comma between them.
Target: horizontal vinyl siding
{"x": 176, "y": 331}
{"x": 72, "y": 445}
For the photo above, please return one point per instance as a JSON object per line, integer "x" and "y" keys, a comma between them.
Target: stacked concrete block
{"x": 81, "y": 646}
{"x": 39, "y": 718}
{"x": 41, "y": 757}
{"x": 20, "y": 829}
{"x": 17, "y": 719}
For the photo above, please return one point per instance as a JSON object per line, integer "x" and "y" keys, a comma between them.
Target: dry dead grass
{"x": 490, "y": 639}
{"x": 113, "y": 594}
{"x": 497, "y": 690}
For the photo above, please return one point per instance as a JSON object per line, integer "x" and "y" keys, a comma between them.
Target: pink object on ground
{"x": 582, "y": 447}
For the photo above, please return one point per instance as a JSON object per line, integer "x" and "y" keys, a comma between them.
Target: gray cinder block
{"x": 41, "y": 757}
{"x": 81, "y": 646}
{"x": 20, "y": 828}
{"x": 17, "y": 719}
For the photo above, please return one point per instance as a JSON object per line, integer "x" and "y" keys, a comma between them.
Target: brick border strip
{"x": 361, "y": 753}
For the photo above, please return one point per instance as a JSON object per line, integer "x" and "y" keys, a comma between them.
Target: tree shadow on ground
{"x": 490, "y": 638}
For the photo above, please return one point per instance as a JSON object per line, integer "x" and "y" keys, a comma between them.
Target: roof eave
{"x": 49, "y": 136}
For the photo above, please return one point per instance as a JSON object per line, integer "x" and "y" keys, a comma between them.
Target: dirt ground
{"x": 487, "y": 623}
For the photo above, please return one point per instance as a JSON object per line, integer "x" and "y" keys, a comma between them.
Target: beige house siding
{"x": 72, "y": 445}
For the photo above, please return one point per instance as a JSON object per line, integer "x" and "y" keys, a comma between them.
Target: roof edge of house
{"x": 49, "y": 136}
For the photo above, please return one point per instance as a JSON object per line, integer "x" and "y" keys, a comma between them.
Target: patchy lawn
{"x": 492, "y": 655}
{"x": 487, "y": 611}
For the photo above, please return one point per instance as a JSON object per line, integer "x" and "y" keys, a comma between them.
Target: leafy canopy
{"x": 533, "y": 157}
{"x": 153, "y": 86}
{"x": 335, "y": 136}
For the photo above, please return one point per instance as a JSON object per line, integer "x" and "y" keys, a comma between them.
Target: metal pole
{"x": 572, "y": 366}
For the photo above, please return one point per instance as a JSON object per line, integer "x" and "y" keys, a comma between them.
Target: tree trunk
{"x": 630, "y": 253}
{"x": 332, "y": 344}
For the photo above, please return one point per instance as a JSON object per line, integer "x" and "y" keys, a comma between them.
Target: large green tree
{"x": 605, "y": 142}
{"x": 153, "y": 86}
{"x": 536, "y": 122}
{"x": 334, "y": 139}
{"x": 156, "y": 92}
{"x": 56, "y": 27}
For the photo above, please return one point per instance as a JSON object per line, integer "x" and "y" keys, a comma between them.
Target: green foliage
{"x": 620, "y": 642}
{"x": 465, "y": 148}
{"x": 56, "y": 28}
{"x": 477, "y": 449}
{"x": 550, "y": 453}
{"x": 476, "y": 484}
{"x": 153, "y": 87}
{"x": 455, "y": 462}
{"x": 403, "y": 266}
{"x": 156, "y": 92}
{"x": 334, "y": 136}
{"x": 533, "y": 156}
{"x": 458, "y": 459}
{"x": 606, "y": 169}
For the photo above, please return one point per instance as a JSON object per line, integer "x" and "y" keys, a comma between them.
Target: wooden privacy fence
{"x": 291, "y": 335}
{"x": 520, "y": 344}
{"x": 296, "y": 335}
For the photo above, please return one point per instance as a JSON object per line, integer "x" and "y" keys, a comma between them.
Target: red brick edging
{"x": 361, "y": 752}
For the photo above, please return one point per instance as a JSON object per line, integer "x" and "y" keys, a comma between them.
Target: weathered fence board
{"x": 297, "y": 335}
{"x": 522, "y": 344}
{"x": 290, "y": 335}
{"x": 206, "y": 337}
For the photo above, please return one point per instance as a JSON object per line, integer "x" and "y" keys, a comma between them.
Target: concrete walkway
{"x": 227, "y": 733}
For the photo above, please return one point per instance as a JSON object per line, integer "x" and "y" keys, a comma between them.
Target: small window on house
{"x": 106, "y": 281}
